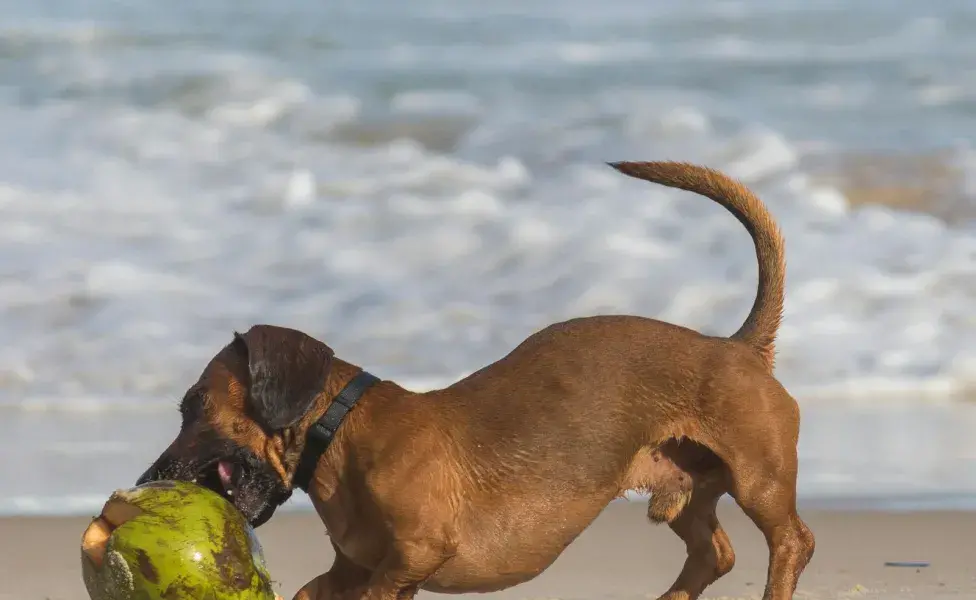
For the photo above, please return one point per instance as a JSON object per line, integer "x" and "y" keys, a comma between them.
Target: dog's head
{"x": 245, "y": 419}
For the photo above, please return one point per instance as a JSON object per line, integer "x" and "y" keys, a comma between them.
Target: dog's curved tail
{"x": 760, "y": 327}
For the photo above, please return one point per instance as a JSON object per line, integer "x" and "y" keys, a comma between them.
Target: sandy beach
{"x": 619, "y": 557}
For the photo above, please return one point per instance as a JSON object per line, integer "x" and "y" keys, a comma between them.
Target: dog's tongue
{"x": 225, "y": 470}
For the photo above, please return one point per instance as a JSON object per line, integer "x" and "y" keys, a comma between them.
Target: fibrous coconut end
{"x": 94, "y": 541}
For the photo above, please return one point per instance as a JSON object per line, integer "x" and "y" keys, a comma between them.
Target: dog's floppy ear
{"x": 288, "y": 370}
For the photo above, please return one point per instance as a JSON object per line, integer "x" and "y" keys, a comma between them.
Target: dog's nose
{"x": 148, "y": 476}
{"x": 154, "y": 472}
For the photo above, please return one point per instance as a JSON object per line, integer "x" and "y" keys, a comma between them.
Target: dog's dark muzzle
{"x": 164, "y": 468}
{"x": 248, "y": 483}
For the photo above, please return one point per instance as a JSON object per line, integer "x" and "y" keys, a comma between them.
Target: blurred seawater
{"x": 422, "y": 185}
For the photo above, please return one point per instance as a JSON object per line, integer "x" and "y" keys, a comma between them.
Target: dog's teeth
{"x": 230, "y": 492}
{"x": 194, "y": 480}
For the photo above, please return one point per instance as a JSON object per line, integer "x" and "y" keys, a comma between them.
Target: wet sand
{"x": 619, "y": 557}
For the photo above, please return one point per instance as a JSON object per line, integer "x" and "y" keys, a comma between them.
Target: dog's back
{"x": 580, "y": 361}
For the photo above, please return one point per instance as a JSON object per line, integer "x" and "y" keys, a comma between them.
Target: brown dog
{"x": 481, "y": 485}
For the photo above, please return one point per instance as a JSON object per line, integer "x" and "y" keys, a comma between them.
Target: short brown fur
{"x": 481, "y": 485}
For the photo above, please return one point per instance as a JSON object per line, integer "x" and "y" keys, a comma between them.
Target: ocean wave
{"x": 423, "y": 186}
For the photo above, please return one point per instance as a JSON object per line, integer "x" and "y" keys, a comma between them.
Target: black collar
{"x": 320, "y": 434}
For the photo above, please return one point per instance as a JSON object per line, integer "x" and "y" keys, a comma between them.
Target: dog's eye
{"x": 191, "y": 407}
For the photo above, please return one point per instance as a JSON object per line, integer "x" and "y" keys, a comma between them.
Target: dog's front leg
{"x": 343, "y": 577}
{"x": 405, "y": 568}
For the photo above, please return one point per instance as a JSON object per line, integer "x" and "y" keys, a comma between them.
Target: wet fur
{"x": 481, "y": 485}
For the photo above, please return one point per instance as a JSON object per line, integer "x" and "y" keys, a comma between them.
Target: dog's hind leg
{"x": 685, "y": 480}
{"x": 710, "y": 554}
{"x": 768, "y": 496}
{"x": 763, "y": 483}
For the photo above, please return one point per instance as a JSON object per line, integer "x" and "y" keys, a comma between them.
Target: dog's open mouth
{"x": 242, "y": 478}
{"x": 221, "y": 476}
{"x": 225, "y": 471}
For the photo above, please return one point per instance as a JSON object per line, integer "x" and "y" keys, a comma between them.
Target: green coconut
{"x": 172, "y": 540}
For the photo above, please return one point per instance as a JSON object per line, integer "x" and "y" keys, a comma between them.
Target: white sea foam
{"x": 136, "y": 275}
